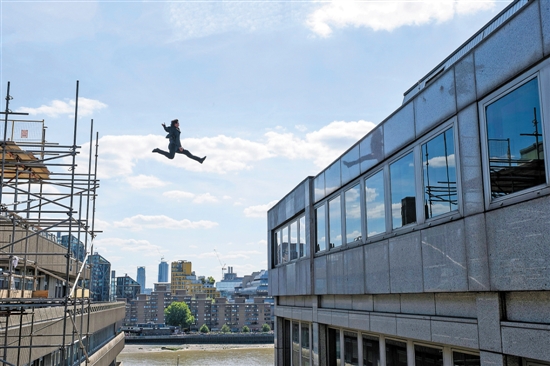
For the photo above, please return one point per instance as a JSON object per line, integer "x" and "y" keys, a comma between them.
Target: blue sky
{"x": 270, "y": 91}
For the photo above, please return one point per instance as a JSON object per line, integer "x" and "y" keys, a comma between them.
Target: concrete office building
{"x": 427, "y": 242}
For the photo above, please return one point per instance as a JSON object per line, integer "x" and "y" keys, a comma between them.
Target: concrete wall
{"x": 476, "y": 279}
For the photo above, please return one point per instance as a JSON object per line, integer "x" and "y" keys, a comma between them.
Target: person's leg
{"x": 191, "y": 156}
{"x": 170, "y": 154}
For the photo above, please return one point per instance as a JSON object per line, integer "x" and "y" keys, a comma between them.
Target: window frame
{"x": 414, "y": 150}
{"x": 360, "y": 187}
{"x": 542, "y": 73}
{"x": 444, "y": 127}
{"x": 278, "y": 233}
{"x": 384, "y": 169}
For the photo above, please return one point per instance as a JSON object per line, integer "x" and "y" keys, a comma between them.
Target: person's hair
{"x": 173, "y": 122}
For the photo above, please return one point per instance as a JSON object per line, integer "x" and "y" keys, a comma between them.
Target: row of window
{"x": 420, "y": 183}
{"x": 386, "y": 199}
{"x": 344, "y": 346}
{"x": 290, "y": 241}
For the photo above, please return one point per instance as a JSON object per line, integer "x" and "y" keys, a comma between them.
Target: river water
{"x": 208, "y": 355}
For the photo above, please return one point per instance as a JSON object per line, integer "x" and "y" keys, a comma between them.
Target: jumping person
{"x": 175, "y": 144}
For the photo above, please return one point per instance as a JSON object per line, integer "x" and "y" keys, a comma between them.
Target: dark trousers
{"x": 173, "y": 150}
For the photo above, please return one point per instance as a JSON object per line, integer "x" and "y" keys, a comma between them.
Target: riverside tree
{"x": 266, "y": 328}
{"x": 204, "y": 329}
{"x": 246, "y": 329}
{"x": 178, "y": 314}
{"x": 225, "y": 329}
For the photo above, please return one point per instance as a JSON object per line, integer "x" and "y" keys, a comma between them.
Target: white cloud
{"x": 86, "y": 107}
{"x": 205, "y": 197}
{"x": 202, "y": 19}
{"x": 177, "y": 195}
{"x": 322, "y": 146}
{"x": 140, "y": 222}
{"x": 145, "y": 181}
{"x": 196, "y": 198}
{"x": 118, "y": 155}
{"x": 117, "y": 245}
{"x": 388, "y": 15}
{"x": 259, "y": 210}
{"x": 442, "y": 162}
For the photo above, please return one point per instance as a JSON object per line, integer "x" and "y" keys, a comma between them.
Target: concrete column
{"x": 489, "y": 314}
{"x": 491, "y": 359}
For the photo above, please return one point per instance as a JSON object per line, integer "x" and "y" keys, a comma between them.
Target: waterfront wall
{"x": 203, "y": 339}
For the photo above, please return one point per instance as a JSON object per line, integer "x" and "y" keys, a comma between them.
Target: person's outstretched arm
{"x": 167, "y": 129}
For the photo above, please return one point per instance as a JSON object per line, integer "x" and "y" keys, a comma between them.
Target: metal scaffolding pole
{"x": 40, "y": 200}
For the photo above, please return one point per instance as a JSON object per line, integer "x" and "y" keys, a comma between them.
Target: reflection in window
{"x": 332, "y": 178}
{"x": 396, "y": 353}
{"x": 351, "y": 349}
{"x": 295, "y": 343}
{"x": 284, "y": 245}
{"x": 350, "y": 165}
{"x": 353, "y": 214}
{"x": 319, "y": 186}
{"x": 376, "y": 208}
{"x": 303, "y": 250}
{"x": 277, "y": 246}
{"x": 305, "y": 345}
{"x": 371, "y": 351}
{"x": 438, "y": 163}
{"x": 427, "y": 356}
{"x": 335, "y": 223}
{"x": 514, "y": 134}
{"x": 320, "y": 229}
{"x": 403, "y": 191}
{"x": 371, "y": 149}
{"x": 293, "y": 240}
{"x": 465, "y": 359}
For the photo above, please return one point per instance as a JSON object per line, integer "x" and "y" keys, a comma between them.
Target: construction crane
{"x": 223, "y": 265}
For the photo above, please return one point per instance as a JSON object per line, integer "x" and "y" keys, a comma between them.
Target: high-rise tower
{"x": 141, "y": 278}
{"x": 163, "y": 271}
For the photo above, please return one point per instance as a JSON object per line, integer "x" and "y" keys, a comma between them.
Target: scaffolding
{"x": 47, "y": 209}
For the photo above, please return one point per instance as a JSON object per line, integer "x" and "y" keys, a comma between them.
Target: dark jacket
{"x": 174, "y": 135}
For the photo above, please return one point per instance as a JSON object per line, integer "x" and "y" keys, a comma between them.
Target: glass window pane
{"x": 427, "y": 356}
{"x": 332, "y": 178}
{"x": 351, "y": 349}
{"x": 403, "y": 191}
{"x": 465, "y": 359}
{"x": 371, "y": 351}
{"x": 438, "y": 163}
{"x": 319, "y": 186}
{"x": 350, "y": 165}
{"x": 303, "y": 248}
{"x": 335, "y": 223}
{"x": 277, "y": 246}
{"x": 396, "y": 353}
{"x": 334, "y": 347}
{"x": 284, "y": 245}
{"x": 320, "y": 226}
{"x": 514, "y": 134}
{"x": 295, "y": 343}
{"x": 371, "y": 149}
{"x": 376, "y": 208}
{"x": 293, "y": 240}
{"x": 305, "y": 345}
{"x": 353, "y": 214}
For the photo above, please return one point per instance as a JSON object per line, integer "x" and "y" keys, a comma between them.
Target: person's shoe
{"x": 155, "y": 150}
{"x": 202, "y": 160}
